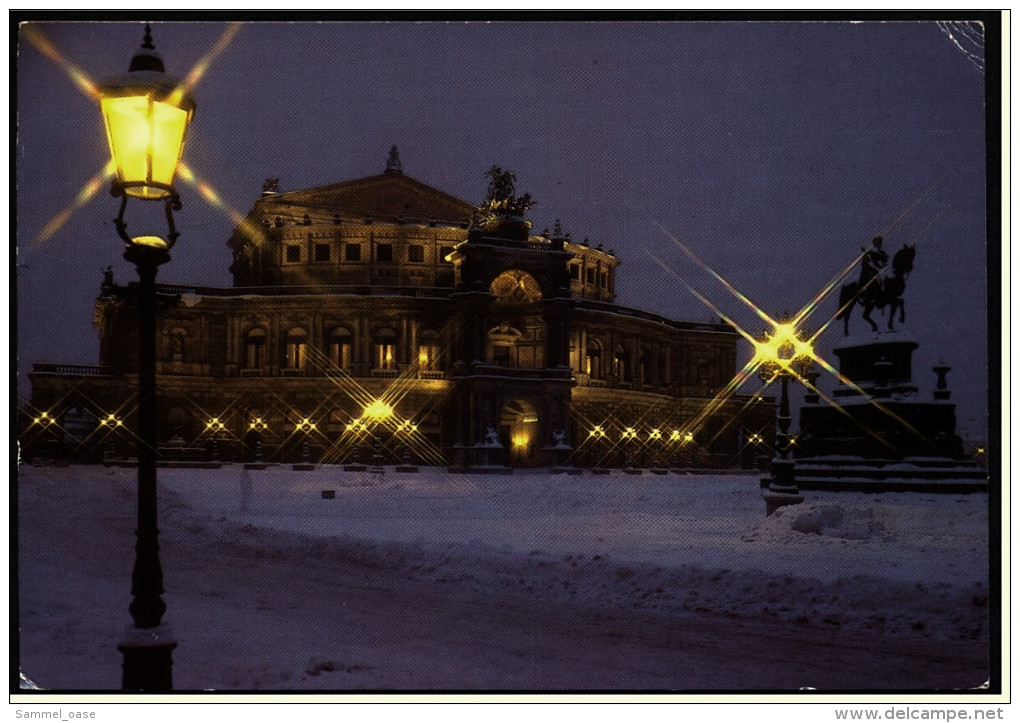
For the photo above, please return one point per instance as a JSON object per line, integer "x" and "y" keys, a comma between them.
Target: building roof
{"x": 389, "y": 195}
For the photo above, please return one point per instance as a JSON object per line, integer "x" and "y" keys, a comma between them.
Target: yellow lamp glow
{"x": 378, "y": 410}
{"x": 783, "y": 348}
{"x": 146, "y": 114}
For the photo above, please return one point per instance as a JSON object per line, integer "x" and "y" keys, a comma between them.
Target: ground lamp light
{"x": 146, "y": 114}
{"x": 777, "y": 355}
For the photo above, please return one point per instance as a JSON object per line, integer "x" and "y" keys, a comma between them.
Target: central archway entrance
{"x": 518, "y": 429}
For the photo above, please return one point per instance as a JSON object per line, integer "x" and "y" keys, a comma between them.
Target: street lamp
{"x": 777, "y": 355}
{"x": 146, "y": 114}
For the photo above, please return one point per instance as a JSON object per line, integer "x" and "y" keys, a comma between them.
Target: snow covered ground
{"x": 531, "y": 581}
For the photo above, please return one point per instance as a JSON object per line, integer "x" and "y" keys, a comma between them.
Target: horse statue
{"x": 884, "y": 288}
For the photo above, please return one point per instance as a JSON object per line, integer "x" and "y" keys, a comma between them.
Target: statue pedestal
{"x": 881, "y": 435}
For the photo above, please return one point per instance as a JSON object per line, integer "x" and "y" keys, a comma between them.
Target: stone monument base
{"x": 918, "y": 474}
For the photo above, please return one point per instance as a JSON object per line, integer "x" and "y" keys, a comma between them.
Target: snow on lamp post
{"x": 146, "y": 114}
{"x": 777, "y": 355}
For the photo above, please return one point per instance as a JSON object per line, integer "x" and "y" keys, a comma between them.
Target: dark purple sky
{"x": 772, "y": 150}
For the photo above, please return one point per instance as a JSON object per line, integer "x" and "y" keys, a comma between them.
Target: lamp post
{"x": 146, "y": 114}
{"x": 777, "y": 355}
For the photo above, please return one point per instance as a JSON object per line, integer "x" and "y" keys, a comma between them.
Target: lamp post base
{"x": 147, "y": 658}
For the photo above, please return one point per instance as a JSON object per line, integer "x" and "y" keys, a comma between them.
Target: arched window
{"x": 621, "y": 363}
{"x": 645, "y": 366}
{"x": 340, "y": 348}
{"x": 296, "y": 348}
{"x": 593, "y": 360}
{"x": 384, "y": 350}
{"x": 428, "y": 352}
{"x": 255, "y": 349}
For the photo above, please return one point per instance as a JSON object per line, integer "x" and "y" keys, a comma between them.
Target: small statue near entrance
{"x": 492, "y": 437}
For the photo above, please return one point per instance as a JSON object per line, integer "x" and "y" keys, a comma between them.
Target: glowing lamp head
{"x": 147, "y": 114}
{"x": 783, "y": 348}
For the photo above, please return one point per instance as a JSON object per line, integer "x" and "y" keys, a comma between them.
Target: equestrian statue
{"x": 881, "y": 284}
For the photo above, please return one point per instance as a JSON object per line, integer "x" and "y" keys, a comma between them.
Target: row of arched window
{"x": 338, "y": 350}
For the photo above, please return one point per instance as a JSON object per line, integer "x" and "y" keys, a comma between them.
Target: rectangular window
{"x": 352, "y": 252}
{"x": 590, "y": 276}
{"x": 445, "y": 251}
{"x": 384, "y": 252}
{"x": 293, "y": 253}
{"x": 575, "y": 272}
{"x": 416, "y": 252}
{"x": 322, "y": 252}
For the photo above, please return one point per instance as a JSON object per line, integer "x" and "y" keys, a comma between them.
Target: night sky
{"x": 772, "y": 150}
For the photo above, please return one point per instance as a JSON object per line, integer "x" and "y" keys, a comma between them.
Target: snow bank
{"x": 904, "y": 566}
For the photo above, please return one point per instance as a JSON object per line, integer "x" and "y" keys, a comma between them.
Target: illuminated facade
{"x": 380, "y": 320}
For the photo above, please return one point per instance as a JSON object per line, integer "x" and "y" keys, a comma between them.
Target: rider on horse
{"x": 872, "y": 264}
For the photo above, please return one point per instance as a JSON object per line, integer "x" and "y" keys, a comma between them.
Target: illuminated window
{"x": 416, "y": 253}
{"x": 293, "y": 253}
{"x": 593, "y": 360}
{"x": 384, "y": 350}
{"x": 428, "y": 351}
{"x": 352, "y": 252}
{"x": 297, "y": 343}
{"x": 384, "y": 355}
{"x": 621, "y": 363}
